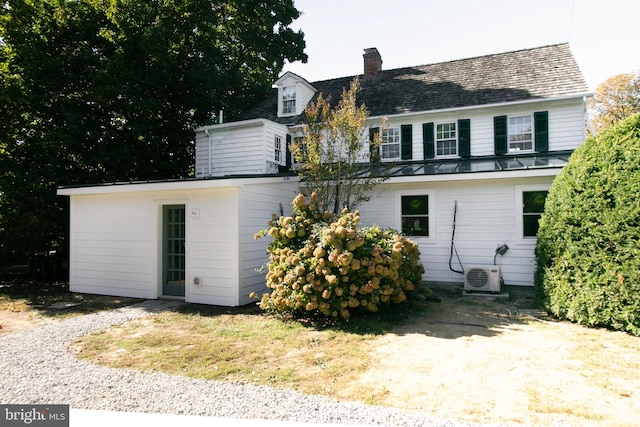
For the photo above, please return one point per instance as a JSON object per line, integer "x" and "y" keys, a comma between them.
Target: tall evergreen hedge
{"x": 588, "y": 250}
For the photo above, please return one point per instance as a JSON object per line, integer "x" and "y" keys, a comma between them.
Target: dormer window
{"x": 289, "y": 100}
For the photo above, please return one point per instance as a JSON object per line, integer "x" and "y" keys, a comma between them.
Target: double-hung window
{"x": 277, "y": 146}
{"x": 446, "y": 140}
{"x": 520, "y": 133}
{"x": 390, "y": 147}
{"x": 532, "y": 209}
{"x": 289, "y": 100}
{"x": 415, "y": 215}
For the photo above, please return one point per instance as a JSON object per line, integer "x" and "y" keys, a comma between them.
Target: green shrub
{"x": 588, "y": 251}
{"x": 324, "y": 264}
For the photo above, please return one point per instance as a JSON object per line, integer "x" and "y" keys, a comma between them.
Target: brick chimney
{"x": 372, "y": 62}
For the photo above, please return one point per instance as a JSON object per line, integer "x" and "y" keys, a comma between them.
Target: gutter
{"x": 482, "y": 106}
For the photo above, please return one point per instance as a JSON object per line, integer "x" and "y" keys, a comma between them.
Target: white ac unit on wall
{"x": 484, "y": 278}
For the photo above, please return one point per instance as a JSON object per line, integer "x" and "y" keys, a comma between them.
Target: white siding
{"x": 566, "y": 125}
{"x": 202, "y": 164}
{"x": 487, "y": 216}
{"x": 116, "y": 238}
{"x": 271, "y": 130}
{"x": 212, "y": 246}
{"x": 242, "y": 148}
{"x": 116, "y": 246}
{"x": 256, "y": 204}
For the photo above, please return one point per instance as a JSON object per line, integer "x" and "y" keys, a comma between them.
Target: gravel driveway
{"x": 36, "y": 368}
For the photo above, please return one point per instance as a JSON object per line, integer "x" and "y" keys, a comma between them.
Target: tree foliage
{"x": 110, "y": 90}
{"x": 588, "y": 250}
{"x": 331, "y": 153}
{"x": 323, "y": 264}
{"x": 615, "y": 99}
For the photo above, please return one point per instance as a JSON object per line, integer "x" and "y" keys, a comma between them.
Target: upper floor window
{"x": 520, "y": 133}
{"x": 446, "y": 139}
{"x": 277, "y": 143}
{"x": 289, "y": 100}
{"x": 390, "y": 147}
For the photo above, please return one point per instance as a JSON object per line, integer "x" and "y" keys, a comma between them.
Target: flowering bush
{"x": 321, "y": 263}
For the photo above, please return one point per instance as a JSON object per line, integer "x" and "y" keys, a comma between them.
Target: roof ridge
{"x": 510, "y": 52}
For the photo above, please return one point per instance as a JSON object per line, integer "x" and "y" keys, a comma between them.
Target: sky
{"x": 604, "y": 35}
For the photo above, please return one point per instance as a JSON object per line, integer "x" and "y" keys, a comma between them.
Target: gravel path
{"x": 36, "y": 368}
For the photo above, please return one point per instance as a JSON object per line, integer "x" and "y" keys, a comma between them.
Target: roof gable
{"x": 540, "y": 73}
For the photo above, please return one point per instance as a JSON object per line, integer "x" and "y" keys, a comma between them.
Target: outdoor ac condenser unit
{"x": 482, "y": 278}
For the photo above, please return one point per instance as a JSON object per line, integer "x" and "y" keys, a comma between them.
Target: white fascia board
{"x": 475, "y": 176}
{"x": 234, "y": 125}
{"x": 199, "y": 184}
{"x": 581, "y": 96}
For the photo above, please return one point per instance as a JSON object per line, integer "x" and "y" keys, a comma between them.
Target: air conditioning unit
{"x": 484, "y": 278}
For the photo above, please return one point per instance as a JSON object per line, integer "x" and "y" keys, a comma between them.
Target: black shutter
{"x": 541, "y": 129}
{"x": 464, "y": 137}
{"x": 288, "y": 151}
{"x": 406, "y": 142}
{"x": 428, "y": 141}
{"x": 374, "y": 153}
{"x": 500, "y": 134}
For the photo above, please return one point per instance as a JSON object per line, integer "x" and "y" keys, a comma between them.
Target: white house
{"x": 480, "y": 137}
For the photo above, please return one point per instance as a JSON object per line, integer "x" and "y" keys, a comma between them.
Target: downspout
{"x": 210, "y": 144}
{"x": 209, "y": 150}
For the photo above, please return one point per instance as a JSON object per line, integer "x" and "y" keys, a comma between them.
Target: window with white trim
{"x": 390, "y": 146}
{"x": 289, "y": 100}
{"x": 532, "y": 210}
{"x": 446, "y": 139}
{"x": 415, "y": 215}
{"x": 520, "y": 133}
{"x": 277, "y": 145}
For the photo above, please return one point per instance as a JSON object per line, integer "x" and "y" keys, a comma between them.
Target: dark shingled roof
{"x": 543, "y": 72}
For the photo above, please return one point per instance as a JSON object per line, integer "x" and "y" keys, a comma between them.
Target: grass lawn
{"x": 438, "y": 358}
{"x": 243, "y": 344}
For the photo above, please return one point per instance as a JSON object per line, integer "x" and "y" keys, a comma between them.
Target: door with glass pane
{"x": 173, "y": 250}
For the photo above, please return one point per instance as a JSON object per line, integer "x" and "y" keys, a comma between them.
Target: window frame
{"x": 431, "y": 203}
{"x": 511, "y": 132}
{"x": 277, "y": 149}
{"x": 383, "y": 135}
{"x": 436, "y": 140}
{"x": 519, "y": 210}
{"x": 289, "y": 104}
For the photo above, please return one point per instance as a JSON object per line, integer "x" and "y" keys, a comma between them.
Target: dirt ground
{"x": 490, "y": 360}
{"x": 16, "y": 319}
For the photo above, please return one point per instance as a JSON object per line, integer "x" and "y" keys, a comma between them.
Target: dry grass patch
{"x": 244, "y": 347}
{"x": 461, "y": 358}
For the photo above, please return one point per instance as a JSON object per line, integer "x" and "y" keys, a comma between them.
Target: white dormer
{"x": 294, "y": 93}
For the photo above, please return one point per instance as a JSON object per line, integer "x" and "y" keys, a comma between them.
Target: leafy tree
{"x": 588, "y": 249}
{"x": 331, "y": 153}
{"x": 615, "y": 99}
{"x": 111, "y": 90}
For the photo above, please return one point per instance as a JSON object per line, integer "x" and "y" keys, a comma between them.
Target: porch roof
{"x": 522, "y": 162}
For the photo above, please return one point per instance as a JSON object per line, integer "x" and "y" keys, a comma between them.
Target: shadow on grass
{"x": 361, "y": 323}
{"x": 447, "y": 314}
{"x": 18, "y": 293}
